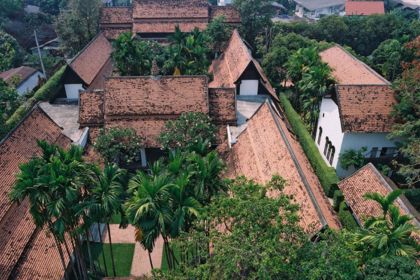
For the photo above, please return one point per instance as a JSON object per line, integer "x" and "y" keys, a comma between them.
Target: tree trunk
{"x": 73, "y": 268}
{"x": 103, "y": 252}
{"x": 110, "y": 247}
{"x": 60, "y": 252}
{"x": 165, "y": 247}
{"x": 92, "y": 269}
{"x": 81, "y": 258}
{"x": 150, "y": 259}
{"x": 79, "y": 268}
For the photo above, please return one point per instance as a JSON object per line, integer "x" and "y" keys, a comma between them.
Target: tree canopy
{"x": 11, "y": 54}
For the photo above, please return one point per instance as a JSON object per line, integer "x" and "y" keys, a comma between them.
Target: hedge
{"x": 44, "y": 93}
{"x": 338, "y": 198}
{"x": 325, "y": 173}
{"x": 346, "y": 218}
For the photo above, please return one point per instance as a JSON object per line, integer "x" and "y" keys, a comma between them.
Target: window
{"x": 388, "y": 152}
{"x": 319, "y": 135}
{"x": 332, "y": 154}
{"x": 374, "y": 152}
{"x": 327, "y": 142}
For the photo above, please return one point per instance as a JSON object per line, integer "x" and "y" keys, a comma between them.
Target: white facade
{"x": 224, "y": 2}
{"x": 329, "y": 123}
{"x": 315, "y": 14}
{"x": 249, "y": 87}
{"x": 29, "y": 84}
{"x": 73, "y": 90}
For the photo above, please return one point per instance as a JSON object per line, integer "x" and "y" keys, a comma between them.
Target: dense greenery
{"x": 9, "y": 101}
{"x": 11, "y": 54}
{"x": 407, "y": 112}
{"x": 190, "y": 131}
{"x": 78, "y": 24}
{"x": 255, "y": 18}
{"x": 119, "y": 145}
{"x": 218, "y": 32}
{"x": 392, "y": 268}
{"x": 353, "y": 158}
{"x": 326, "y": 174}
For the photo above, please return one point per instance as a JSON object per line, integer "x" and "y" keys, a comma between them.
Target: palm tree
{"x": 389, "y": 234}
{"x": 106, "y": 198}
{"x": 147, "y": 240}
{"x": 148, "y": 207}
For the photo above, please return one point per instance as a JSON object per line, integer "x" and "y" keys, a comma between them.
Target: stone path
{"x": 141, "y": 264}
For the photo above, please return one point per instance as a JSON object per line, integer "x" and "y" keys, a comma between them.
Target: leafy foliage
{"x": 407, "y": 111}
{"x": 10, "y": 8}
{"x": 10, "y": 52}
{"x": 255, "y": 17}
{"x": 387, "y": 58}
{"x": 218, "y": 32}
{"x": 134, "y": 57}
{"x": 118, "y": 145}
{"x": 188, "y": 131}
{"x": 391, "y": 268}
{"x": 353, "y": 158}
{"x": 78, "y": 24}
{"x": 9, "y": 101}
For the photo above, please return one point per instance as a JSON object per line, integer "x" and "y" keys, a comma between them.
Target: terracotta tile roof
{"x": 365, "y": 108}
{"x": 230, "y": 13}
{"x": 348, "y": 70}
{"x": 229, "y": 67}
{"x": 170, "y": 9}
{"x": 369, "y": 179}
{"x": 222, "y": 104}
{"x": 16, "y": 226}
{"x": 116, "y": 15}
{"x": 91, "y": 108}
{"x": 364, "y": 8}
{"x": 266, "y": 148}
{"x": 89, "y": 62}
{"x": 168, "y": 26}
{"x": 155, "y": 96}
{"x": 105, "y": 72}
{"x": 112, "y": 33}
{"x": 23, "y": 72}
{"x": 42, "y": 260}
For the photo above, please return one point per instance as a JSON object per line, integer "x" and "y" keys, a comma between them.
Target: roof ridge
{"x": 85, "y": 48}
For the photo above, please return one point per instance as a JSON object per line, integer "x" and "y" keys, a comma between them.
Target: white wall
{"x": 31, "y": 83}
{"x": 329, "y": 120}
{"x": 316, "y": 14}
{"x": 224, "y": 2}
{"x": 248, "y": 87}
{"x": 72, "y": 90}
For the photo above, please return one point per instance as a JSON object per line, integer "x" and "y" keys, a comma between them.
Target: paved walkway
{"x": 141, "y": 264}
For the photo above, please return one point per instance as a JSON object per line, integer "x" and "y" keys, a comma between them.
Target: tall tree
{"x": 387, "y": 59}
{"x": 78, "y": 24}
{"x": 255, "y": 18}
{"x": 219, "y": 33}
{"x": 11, "y": 54}
{"x": 407, "y": 113}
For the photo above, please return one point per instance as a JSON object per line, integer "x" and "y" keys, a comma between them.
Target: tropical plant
{"x": 218, "y": 32}
{"x": 105, "y": 198}
{"x": 11, "y": 54}
{"x": 55, "y": 185}
{"x": 391, "y": 268}
{"x": 387, "y": 235}
{"x": 119, "y": 145}
{"x": 353, "y": 158}
{"x": 189, "y": 131}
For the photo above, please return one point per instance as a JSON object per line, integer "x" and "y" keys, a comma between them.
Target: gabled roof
{"x": 266, "y": 148}
{"x": 319, "y": 4}
{"x": 369, "y": 179}
{"x": 365, "y": 8}
{"x": 16, "y": 225}
{"x": 165, "y": 9}
{"x": 116, "y": 15}
{"x": 230, "y": 13}
{"x": 230, "y": 66}
{"x": 348, "y": 70}
{"x": 89, "y": 61}
{"x": 155, "y": 96}
{"x": 22, "y": 72}
{"x": 365, "y": 108}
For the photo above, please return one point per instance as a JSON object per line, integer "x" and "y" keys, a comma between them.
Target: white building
{"x": 224, "y": 2}
{"x": 24, "y": 78}
{"x": 315, "y": 9}
{"x": 357, "y": 114}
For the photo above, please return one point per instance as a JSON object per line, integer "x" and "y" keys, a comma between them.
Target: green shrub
{"x": 44, "y": 93}
{"x": 325, "y": 173}
{"x": 346, "y": 218}
{"x": 338, "y": 198}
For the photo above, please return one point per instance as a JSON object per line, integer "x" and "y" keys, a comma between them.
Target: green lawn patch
{"x": 325, "y": 173}
{"x": 123, "y": 257}
{"x": 164, "y": 265}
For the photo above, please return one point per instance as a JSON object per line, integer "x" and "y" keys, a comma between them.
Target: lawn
{"x": 175, "y": 249}
{"x": 123, "y": 256}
